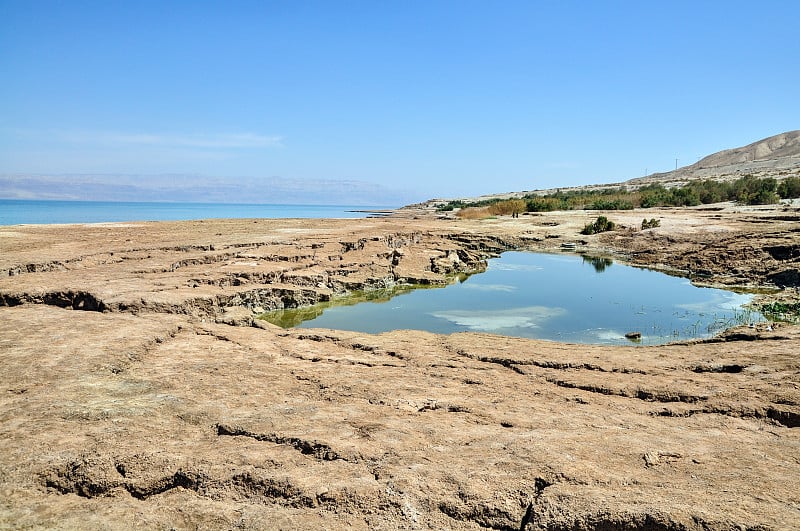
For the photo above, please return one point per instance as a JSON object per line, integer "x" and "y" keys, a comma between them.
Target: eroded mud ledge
{"x": 285, "y": 268}
{"x": 150, "y": 409}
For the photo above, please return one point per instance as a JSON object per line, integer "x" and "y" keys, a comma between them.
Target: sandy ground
{"x": 137, "y": 390}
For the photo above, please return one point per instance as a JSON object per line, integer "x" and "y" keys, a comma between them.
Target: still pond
{"x": 560, "y": 297}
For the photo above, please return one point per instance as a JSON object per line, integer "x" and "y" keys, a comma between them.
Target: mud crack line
{"x": 315, "y": 449}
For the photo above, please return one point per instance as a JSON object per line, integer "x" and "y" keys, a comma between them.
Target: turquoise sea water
{"x": 560, "y": 297}
{"x": 15, "y": 211}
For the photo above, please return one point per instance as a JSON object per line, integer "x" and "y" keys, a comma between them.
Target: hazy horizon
{"x": 198, "y": 189}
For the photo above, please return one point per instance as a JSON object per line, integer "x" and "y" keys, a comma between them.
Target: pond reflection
{"x": 544, "y": 296}
{"x": 599, "y": 263}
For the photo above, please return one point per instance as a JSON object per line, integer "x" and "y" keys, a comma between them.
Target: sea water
{"x": 560, "y": 297}
{"x": 18, "y": 211}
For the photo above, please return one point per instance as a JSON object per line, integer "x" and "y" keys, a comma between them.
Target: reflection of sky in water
{"x": 559, "y": 297}
{"x": 720, "y": 300}
{"x": 499, "y": 266}
{"x": 530, "y": 317}
{"x": 605, "y": 336}
{"x": 489, "y": 287}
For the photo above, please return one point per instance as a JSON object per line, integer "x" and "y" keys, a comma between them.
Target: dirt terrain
{"x": 138, "y": 391}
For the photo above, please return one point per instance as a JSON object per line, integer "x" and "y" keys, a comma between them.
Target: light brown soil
{"x": 164, "y": 404}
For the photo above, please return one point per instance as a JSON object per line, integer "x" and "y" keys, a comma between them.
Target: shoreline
{"x": 36, "y": 212}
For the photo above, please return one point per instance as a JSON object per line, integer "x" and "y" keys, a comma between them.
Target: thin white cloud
{"x": 206, "y": 141}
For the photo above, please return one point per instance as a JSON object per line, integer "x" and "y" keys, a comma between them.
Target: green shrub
{"x": 764, "y": 197}
{"x": 602, "y": 224}
{"x": 654, "y": 195}
{"x": 781, "y": 311}
{"x": 750, "y": 190}
{"x": 611, "y": 204}
{"x": 685, "y": 196}
{"x": 653, "y": 223}
{"x": 710, "y": 191}
{"x": 450, "y": 206}
{"x": 546, "y": 204}
{"x": 789, "y": 188}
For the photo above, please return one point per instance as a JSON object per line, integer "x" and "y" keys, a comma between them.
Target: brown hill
{"x": 772, "y": 148}
{"x": 776, "y": 156}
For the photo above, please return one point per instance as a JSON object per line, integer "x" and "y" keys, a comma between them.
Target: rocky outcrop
{"x": 204, "y": 280}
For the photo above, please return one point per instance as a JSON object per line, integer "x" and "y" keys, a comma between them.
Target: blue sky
{"x": 425, "y": 99}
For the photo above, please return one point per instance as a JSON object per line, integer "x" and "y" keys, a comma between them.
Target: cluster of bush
{"x": 602, "y": 224}
{"x": 606, "y": 199}
{"x": 784, "y": 311}
{"x": 747, "y": 190}
{"x": 651, "y": 224}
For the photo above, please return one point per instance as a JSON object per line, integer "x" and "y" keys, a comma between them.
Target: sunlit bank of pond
{"x": 545, "y": 296}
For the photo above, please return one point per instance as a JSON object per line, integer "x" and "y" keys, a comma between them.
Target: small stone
{"x": 651, "y": 459}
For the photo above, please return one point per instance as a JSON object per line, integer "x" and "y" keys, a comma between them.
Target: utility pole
{"x": 676, "y": 164}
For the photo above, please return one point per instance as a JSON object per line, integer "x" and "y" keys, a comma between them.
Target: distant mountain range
{"x": 196, "y": 188}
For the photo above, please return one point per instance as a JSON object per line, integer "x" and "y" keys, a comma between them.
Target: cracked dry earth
{"x": 137, "y": 390}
